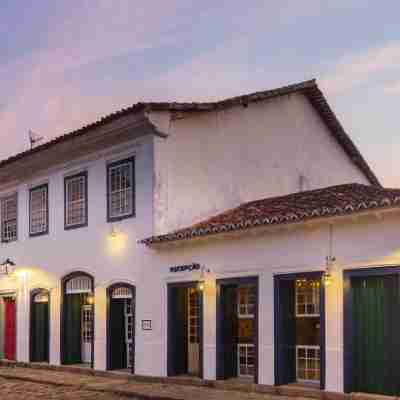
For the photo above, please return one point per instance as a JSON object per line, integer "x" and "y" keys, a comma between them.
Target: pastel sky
{"x": 65, "y": 63}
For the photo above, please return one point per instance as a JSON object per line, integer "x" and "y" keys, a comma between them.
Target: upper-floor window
{"x": 76, "y": 201}
{"x": 120, "y": 189}
{"x": 38, "y": 210}
{"x": 9, "y": 207}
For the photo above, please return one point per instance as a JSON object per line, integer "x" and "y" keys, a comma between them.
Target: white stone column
{"x": 334, "y": 337}
{"x": 209, "y": 328}
{"x": 55, "y": 325}
{"x": 100, "y": 328}
{"x": 22, "y": 317}
{"x": 266, "y": 334}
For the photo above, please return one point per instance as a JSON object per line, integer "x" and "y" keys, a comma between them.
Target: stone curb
{"x": 285, "y": 391}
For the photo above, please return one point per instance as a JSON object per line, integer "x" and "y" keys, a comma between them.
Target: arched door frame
{"x": 110, "y": 290}
{"x": 64, "y": 282}
{"x": 33, "y": 293}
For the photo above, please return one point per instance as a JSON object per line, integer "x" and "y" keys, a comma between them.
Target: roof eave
{"x": 163, "y": 240}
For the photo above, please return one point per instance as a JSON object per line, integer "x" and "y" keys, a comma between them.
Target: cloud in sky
{"x": 66, "y": 63}
{"x": 375, "y": 65}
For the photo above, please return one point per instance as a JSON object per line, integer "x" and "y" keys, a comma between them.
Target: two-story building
{"x": 244, "y": 239}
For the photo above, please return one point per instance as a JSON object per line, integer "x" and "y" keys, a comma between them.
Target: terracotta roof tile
{"x": 308, "y": 88}
{"x": 293, "y": 208}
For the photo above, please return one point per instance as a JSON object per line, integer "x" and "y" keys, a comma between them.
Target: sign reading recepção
{"x": 184, "y": 268}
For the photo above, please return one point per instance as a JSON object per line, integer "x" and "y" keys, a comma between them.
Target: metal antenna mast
{"x": 34, "y": 139}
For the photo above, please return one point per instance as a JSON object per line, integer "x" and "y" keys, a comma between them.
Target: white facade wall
{"x": 368, "y": 242}
{"x": 214, "y": 161}
{"x": 44, "y": 260}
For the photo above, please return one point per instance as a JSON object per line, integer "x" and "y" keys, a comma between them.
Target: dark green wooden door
{"x": 376, "y": 333}
{"x": 40, "y": 332}
{"x": 286, "y": 332}
{"x": 72, "y": 329}
{"x": 229, "y": 330}
{"x": 118, "y": 357}
{"x": 177, "y": 331}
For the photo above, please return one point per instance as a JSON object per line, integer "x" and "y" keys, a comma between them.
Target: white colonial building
{"x": 243, "y": 239}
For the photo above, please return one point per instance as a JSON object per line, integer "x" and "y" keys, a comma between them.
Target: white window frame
{"x": 44, "y": 210}
{"x": 129, "y": 329}
{"x": 247, "y": 304}
{"x": 79, "y": 284}
{"x": 307, "y": 360}
{"x": 315, "y": 291}
{"x": 129, "y": 191}
{"x": 193, "y": 316}
{"x": 83, "y": 201}
{"x": 247, "y": 366}
{"x": 5, "y": 219}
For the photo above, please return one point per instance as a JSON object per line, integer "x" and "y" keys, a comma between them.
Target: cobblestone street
{"x": 19, "y": 390}
{"x": 18, "y": 383}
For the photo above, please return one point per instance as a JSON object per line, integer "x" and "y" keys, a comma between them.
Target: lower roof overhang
{"x": 376, "y": 216}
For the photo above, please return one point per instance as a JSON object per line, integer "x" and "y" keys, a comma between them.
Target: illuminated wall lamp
{"x": 90, "y": 299}
{"x": 7, "y": 267}
{"x": 327, "y": 277}
{"x": 113, "y": 232}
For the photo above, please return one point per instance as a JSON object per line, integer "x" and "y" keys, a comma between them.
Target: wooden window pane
{"x": 9, "y": 206}
{"x": 120, "y": 196}
{"x": 76, "y": 201}
{"x": 38, "y": 210}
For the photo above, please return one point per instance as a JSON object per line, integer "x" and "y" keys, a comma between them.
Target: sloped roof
{"x": 308, "y": 88}
{"x": 293, "y": 208}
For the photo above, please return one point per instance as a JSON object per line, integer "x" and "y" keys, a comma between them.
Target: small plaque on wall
{"x": 146, "y": 325}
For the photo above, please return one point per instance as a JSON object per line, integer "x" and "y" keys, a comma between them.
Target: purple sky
{"x": 65, "y": 63}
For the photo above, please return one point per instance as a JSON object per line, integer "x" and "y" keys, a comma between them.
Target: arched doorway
{"x": 121, "y": 327}
{"x": 39, "y": 325}
{"x": 77, "y": 310}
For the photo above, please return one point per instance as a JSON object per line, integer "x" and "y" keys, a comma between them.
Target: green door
{"x": 286, "y": 328}
{"x": 40, "y": 331}
{"x": 230, "y": 330}
{"x": 177, "y": 331}
{"x": 376, "y": 333}
{"x": 118, "y": 357}
{"x": 72, "y": 329}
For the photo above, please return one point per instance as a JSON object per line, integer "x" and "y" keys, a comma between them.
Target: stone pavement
{"x": 11, "y": 389}
{"x": 17, "y": 383}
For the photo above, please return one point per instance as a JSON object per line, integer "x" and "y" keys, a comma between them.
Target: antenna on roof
{"x": 34, "y": 139}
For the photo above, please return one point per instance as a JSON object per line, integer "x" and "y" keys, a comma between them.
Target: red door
{"x": 9, "y": 328}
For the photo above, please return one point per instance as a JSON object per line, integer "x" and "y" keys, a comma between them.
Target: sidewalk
{"x": 131, "y": 388}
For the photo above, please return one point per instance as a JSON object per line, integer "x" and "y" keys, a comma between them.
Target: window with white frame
{"x": 307, "y": 298}
{"x": 194, "y": 316}
{"x": 246, "y": 301}
{"x": 9, "y": 212}
{"x": 120, "y": 186}
{"x": 76, "y": 201}
{"x": 308, "y": 363}
{"x": 38, "y": 210}
{"x": 246, "y": 358}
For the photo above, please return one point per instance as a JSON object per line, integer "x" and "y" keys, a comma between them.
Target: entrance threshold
{"x": 78, "y": 366}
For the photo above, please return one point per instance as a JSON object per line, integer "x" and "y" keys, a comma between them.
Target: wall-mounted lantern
{"x": 327, "y": 277}
{"x": 7, "y": 267}
{"x": 90, "y": 299}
